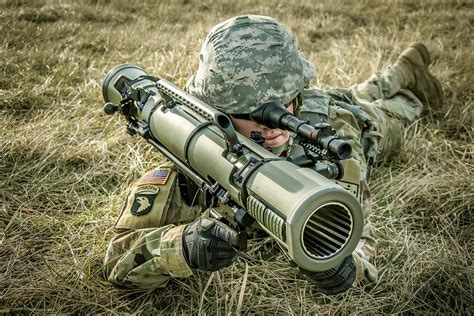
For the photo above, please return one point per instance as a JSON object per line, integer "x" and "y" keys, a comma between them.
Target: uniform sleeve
{"x": 146, "y": 258}
{"x": 148, "y": 250}
{"x": 344, "y": 122}
{"x": 319, "y": 106}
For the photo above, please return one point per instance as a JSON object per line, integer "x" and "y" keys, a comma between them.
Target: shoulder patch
{"x": 159, "y": 176}
{"x": 143, "y": 201}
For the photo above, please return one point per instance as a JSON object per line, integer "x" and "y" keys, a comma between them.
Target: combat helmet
{"x": 247, "y": 61}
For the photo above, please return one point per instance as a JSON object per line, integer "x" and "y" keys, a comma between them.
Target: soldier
{"x": 245, "y": 62}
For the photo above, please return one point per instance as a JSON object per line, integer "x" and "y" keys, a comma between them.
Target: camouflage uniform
{"x": 371, "y": 116}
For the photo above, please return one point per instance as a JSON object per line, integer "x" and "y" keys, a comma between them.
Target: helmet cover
{"x": 247, "y": 61}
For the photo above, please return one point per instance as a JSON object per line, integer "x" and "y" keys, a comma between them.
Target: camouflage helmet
{"x": 247, "y": 61}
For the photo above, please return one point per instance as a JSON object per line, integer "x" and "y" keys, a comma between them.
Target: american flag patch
{"x": 159, "y": 176}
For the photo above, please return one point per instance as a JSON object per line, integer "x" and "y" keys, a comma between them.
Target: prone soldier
{"x": 245, "y": 62}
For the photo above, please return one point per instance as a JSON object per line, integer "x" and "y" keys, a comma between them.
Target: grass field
{"x": 65, "y": 165}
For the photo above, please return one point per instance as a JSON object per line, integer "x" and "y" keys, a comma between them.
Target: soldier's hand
{"x": 335, "y": 280}
{"x": 210, "y": 245}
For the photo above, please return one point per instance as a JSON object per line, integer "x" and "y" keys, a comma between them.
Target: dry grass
{"x": 64, "y": 164}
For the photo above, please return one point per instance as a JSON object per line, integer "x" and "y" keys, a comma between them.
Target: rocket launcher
{"x": 316, "y": 220}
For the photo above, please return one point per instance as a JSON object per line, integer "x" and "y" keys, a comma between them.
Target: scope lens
{"x": 344, "y": 151}
{"x": 339, "y": 147}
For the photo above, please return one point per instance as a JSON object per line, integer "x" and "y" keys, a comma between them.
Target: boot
{"x": 412, "y": 70}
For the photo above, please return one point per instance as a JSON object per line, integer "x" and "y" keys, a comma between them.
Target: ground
{"x": 65, "y": 165}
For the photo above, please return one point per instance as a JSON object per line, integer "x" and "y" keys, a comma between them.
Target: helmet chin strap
{"x": 297, "y": 103}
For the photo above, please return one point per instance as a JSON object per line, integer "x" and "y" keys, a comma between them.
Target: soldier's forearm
{"x": 146, "y": 258}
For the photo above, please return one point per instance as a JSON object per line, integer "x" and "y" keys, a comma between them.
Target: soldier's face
{"x": 274, "y": 137}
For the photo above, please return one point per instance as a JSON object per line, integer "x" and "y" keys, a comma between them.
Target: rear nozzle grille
{"x": 327, "y": 231}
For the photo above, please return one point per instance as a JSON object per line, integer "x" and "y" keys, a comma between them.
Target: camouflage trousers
{"x": 148, "y": 250}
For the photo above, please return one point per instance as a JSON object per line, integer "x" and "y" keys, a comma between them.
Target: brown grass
{"x": 65, "y": 165}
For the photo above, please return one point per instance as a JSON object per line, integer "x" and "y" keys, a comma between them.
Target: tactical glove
{"x": 335, "y": 280}
{"x": 210, "y": 245}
